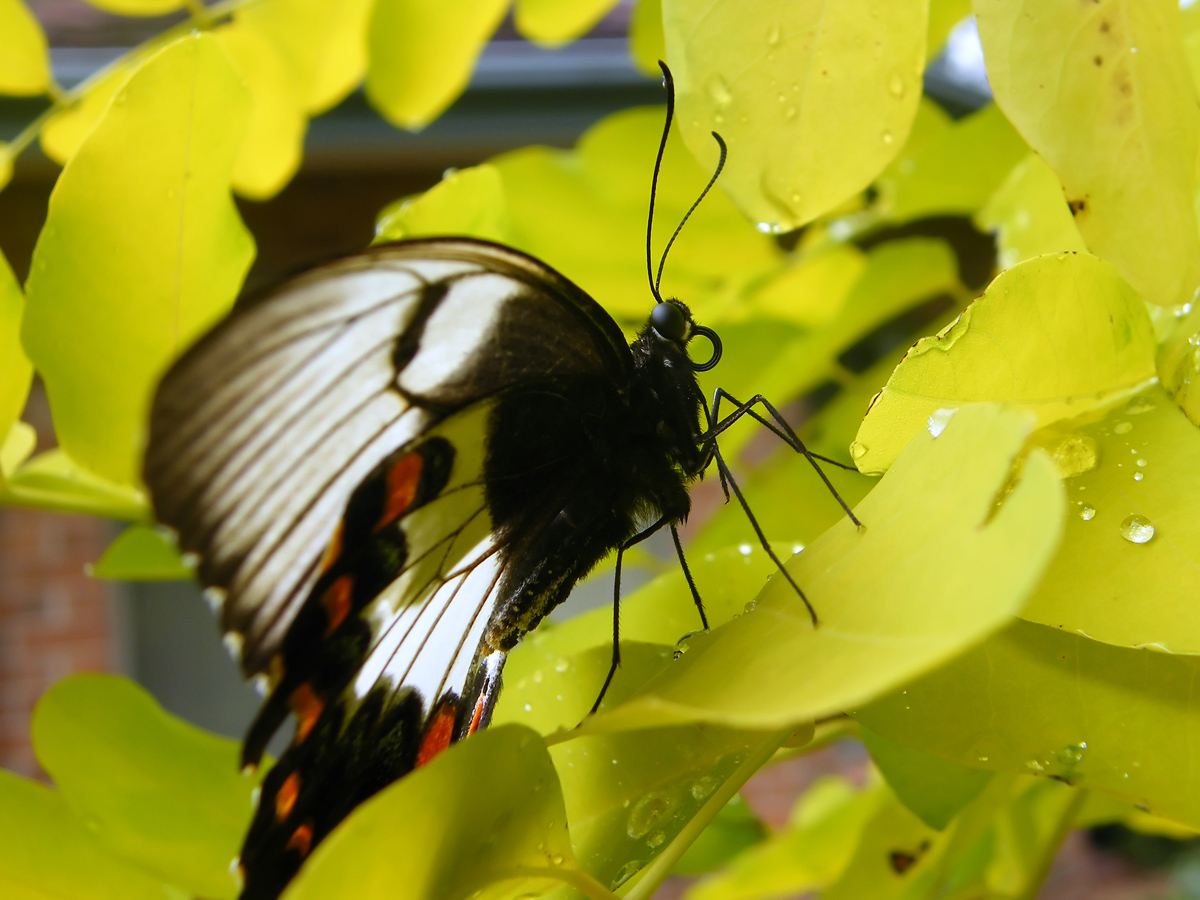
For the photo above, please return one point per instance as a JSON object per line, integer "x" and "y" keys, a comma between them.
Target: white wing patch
{"x": 464, "y": 321}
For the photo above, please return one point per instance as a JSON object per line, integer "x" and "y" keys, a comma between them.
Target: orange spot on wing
{"x": 437, "y": 735}
{"x": 285, "y": 799}
{"x": 301, "y": 839}
{"x": 307, "y": 706}
{"x": 403, "y": 478}
{"x": 333, "y": 551}
{"x": 478, "y": 714}
{"x": 336, "y": 601}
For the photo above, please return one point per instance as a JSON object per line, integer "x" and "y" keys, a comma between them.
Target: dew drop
{"x": 537, "y": 676}
{"x": 939, "y": 420}
{"x": 556, "y": 860}
{"x": 718, "y": 90}
{"x": 1137, "y": 529}
{"x": 561, "y": 665}
{"x": 896, "y": 86}
{"x": 528, "y": 708}
{"x": 773, "y": 36}
{"x": 1123, "y": 428}
{"x": 704, "y": 787}
{"x": 1194, "y": 340}
{"x": 1141, "y": 462}
{"x": 983, "y": 759}
{"x": 1138, "y": 476}
{"x": 626, "y": 872}
{"x": 791, "y": 113}
{"x": 857, "y": 450}
{"x": 750, "y": 607}
{"x": 1074, "y": 455}
{"x": 647, "y": 813}
{"x": 745, "y": 549}
{"x": 655, "y": 840}
{"x": 887, "y": 138}
{"x": 1087, "y": 513}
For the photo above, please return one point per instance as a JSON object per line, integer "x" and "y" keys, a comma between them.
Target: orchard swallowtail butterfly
{"x": 394, "y": 466}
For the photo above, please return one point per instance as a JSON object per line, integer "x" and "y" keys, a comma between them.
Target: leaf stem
{"x": 576, "y": 878}
{"x": 656, "y": 873}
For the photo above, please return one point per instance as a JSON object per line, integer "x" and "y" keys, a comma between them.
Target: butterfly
{"x": 395, "y": 465}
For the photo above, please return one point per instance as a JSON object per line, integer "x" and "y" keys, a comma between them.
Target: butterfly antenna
{"x": 669, "y": 83}
{"x": 708, "y": 187}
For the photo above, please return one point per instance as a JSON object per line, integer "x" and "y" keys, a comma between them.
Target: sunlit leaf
{"x": 463, "y": 831}
{"x": 1092, "y": 344}
{"x": 934, "y": 789}
{"x": 889, "y": 596}
{"x": 1029, "y": 215}
{"x": 811, "y": 291}
{"x": 65, "y": 130}
{"x": 344, "y": 61}
{"x": 1114, "y": 719}
{"x": 554, "y": 22}
{"x": 809, "y": 854}
{"x": 142, "y": 249}
{"x": 1140, "y": 459}
{"x": 943, "y": 16}
{"x": 813, "y": 98}
{"x": 274, "y": 142}
{"x": 1104, "y": 95}
{"x": 953, "y": 175}
{"x": 16, "y": 372}
{"x": 24, "y": 59}
{"x": 16, "y": 447}
{"x": 6, "y": 164}
{"x": 893, "y": 851}
{"x": 141, "y": 553}
{"x": 734, "y": 830}
{"x": 52, "y": 480}
{"x": 155, "y": 790}
{"x": 420, "y": 59}
{"x": 646, "y": 36}
{"x": 49, "y": 854}
{"x": 137, "y": 7}
{"x": 469, "y": 202}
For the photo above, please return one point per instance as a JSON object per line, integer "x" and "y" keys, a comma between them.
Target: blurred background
{"x": 55, "y": 620}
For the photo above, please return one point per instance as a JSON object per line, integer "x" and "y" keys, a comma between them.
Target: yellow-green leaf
{"x": 1036, "y": 701}
{"x": 420, "y": 59}
{"x": 646, "y": 36}
{"x": 24, "y": 59}
{"x": 274, "y": 143}
{"x": 142, "y": 553}
{"x": 554, "y": 22}
{"x": 1104, "y": 95}
{"x": 16, "y": 371}
{"x": 64, "y": 132}
{"x": 1057, "y": 335}
{"x": 463, "y": 830}
{"x": 49, "y": 854}
{"x": 814, "y": 98}
{"x": 1141, "y": 459}
{"x": 344, "y": 61}
{"x": 811, "y": 291}
{"x": 142, "y": 249}
{"x": 138, "y": 7}
{"x": 17, "y": 446}
{"x": 156, "y": 791}
{"x": 953, "y": 175}
{"x": 943, "y": 16}
{"x": 808, "y": 855}
{"x": 470, "y": 202}
{"x": 884, "y": 619}
{"x": 1029, "y": 215}
{"x": 52, "y": 480}
{"x": 6, "y": 164}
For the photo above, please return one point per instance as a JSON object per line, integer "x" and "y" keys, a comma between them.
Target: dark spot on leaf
{"x": 1062, "y": 778}
{"x": 1105, "y": 27}
{"x": 1098, "y": 60}
{"x": 900, "y": 861}
{"x": 1078, "y": 206}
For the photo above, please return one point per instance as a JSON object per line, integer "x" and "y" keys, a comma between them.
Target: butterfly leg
{"x": 687, "y": 573}
{"x": 616, "y": 655}
{"x": 781, "y": 429}
{"x": 762, "y": 538}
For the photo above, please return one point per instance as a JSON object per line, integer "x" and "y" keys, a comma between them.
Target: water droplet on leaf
{"x": 1137, "y": 529}
{"x": 1123, "y": 428}
{"x": 1087, "y": 513}
{"x": 939, "y": 420}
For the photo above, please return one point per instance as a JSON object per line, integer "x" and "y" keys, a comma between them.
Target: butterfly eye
{"x": 668, "y": 321}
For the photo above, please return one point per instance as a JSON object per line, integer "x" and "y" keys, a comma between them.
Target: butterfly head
{"x": 671, "y": 322}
